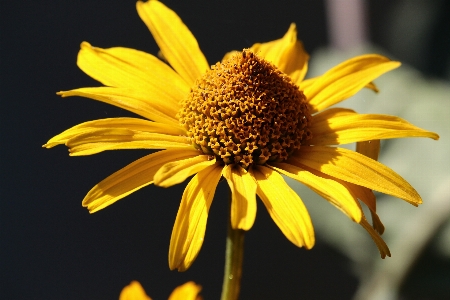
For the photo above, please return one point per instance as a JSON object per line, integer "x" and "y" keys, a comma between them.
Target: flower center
{"x": 245, "y": 111}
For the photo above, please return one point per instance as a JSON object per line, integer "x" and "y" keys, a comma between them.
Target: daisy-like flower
{"x": 248, "y": 119}
{"x": 187, "y": 291}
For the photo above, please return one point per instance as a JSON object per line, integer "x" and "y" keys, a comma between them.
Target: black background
{"x": 52, "y": 248}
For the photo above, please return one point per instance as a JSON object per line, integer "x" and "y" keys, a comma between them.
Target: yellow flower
{"x": 187, "y": 291}
{"x": 249, "y": 119}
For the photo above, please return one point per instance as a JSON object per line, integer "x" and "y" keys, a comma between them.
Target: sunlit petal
{"x": 176, "y": 42}
{"x": 119, "y": 133}
{"x": 307, "y": 83}
{"x": 370, "y": 149}
{"x": 350, "y": 128}
{"x": 190, "y": 225}
{"x": 130, "y": 68}
{"x": 334, "y": 192}
{"x": 365, "y": 195}
{"x": 99, "y": 140}
{"x": 177, "y": 171}
{"x": 150, "y": 105}
{"x": 335, "y": 112}
{"x": 133, "y": 124}
{"x": 131, "y": 178}
{"x": 356, "y": 168}
{"x": 286, "y": 53}
{"x": 284, "y": 206}
{"x": 346, "y": 79}
{"x": 243, "y": 196}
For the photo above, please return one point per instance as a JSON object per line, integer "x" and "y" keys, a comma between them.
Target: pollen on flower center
{"x": 245, "y": 111}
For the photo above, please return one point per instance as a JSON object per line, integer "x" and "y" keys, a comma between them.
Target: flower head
{"x": 245, "y": 111}
{"x": 248, "y": 119}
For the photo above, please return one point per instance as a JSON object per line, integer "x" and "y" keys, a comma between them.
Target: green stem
{"x": 233, "y": 261}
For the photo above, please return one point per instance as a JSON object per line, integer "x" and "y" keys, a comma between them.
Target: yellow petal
{"x": 130, "y": 68}
{"x": 355, "y": 168}
{"x": 372, "y": 86}
{"x": 376, "y": 222}
{"x": 133, "y": 291}
{"x": 119, "y": 133}
{"x": 350, "y": 128}
{"x": 132, "y": 124}
{"x": 382, "y": 247}
{"x": 286, "y": 53}
{"x": 346, "y": 79}
{"x": 177, "y": 171}
{"x": 369, "y": 148}
{"x": 187, "y": 291}
{"x": 190, "y": 224}
{"x": 131, "y": 178}
{"x": 334, "y": 192}
{"x": 284, "y": 206}
{"x": 366, "y": 196}
{"x": 362, "y": 193}
{"x": 243, "y": 196}
{"x": 100, "y": 140}
{"x": 176, "y": 42}
{"x": 148, "y": 104}
{"x": 307, "y": 83}
{"x": 323, "y": 116}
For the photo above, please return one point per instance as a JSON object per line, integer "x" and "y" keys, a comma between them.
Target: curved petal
{"x": 243, "y": 196}
{"x": 370, "y": 149}
{"x": 190, "y": 224}
{"x": 382, "y": 247}
{"x": 366, "y": 196}
{"x": 187, "y": 291}
{"x": 131, "y": 178}
{"x": 136, "y": 101}
{"x": 133, "y": 291}
{"x": 345, "y": 129}
{"x": 177, "y": 171}
{"x": 176, "y": 42}
{"x": 132, "y": 124}
{"x": 323, "y": 116}
{"x": 284, "y": 206}
{"x": 376, "y": 222}
{"x": 100, "y": 140}
{"x": 360, "y": 192}
{"x": 372, "y": 87}
{"x": 346, "y": 79}
{"x": 332, "y": 191}
{"x": 130, "y": 68}
{"x": 307, "y": 83}
{"x": 355, "y": 168}
{"x": 286, "y": 53}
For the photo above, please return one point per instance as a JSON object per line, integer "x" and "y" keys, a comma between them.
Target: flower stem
{"x": 234, "y": 254}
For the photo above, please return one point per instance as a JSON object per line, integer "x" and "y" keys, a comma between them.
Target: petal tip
{"x": 85, "y": 45}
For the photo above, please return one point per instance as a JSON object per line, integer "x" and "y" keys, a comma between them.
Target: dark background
{"x": 51, "y": 247}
